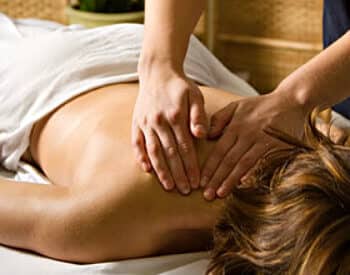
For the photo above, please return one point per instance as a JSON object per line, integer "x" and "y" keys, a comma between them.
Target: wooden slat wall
{"x": 267, "y": 38}
{"x": 44, "y": 9}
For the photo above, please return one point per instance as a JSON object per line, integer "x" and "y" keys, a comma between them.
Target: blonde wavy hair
{"x": 295, "y": 220}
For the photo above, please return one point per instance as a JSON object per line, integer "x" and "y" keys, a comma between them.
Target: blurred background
{"x": 264, "y": 40}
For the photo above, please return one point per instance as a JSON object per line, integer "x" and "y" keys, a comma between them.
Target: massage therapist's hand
{"x": 244, "y": 139}
{"x": 169, "y": 108}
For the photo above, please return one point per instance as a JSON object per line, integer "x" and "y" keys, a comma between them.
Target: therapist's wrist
{"x": 161, "y": 55}
{"x": 298, "y": 94}
{"x": 158, "y": 65}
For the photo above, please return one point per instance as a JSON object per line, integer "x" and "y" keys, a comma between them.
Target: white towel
{"x": 23, "y": 263}
{"x": 44, "y": 64}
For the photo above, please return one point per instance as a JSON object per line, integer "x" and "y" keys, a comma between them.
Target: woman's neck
{"x": 188, "y": 226}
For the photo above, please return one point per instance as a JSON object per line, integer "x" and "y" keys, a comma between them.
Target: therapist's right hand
{"x": 169, "y": 109}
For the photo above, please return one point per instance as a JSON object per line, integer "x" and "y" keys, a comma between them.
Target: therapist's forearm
{"x": 323, "y": 81}
{"x": 168, "y": 26}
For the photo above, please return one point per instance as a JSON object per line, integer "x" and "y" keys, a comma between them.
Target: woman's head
{"x": 296, "y": 218}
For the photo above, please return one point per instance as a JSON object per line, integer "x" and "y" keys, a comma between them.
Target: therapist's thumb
{"x": 220, "y": 120}
{"x": 198, "y": 116}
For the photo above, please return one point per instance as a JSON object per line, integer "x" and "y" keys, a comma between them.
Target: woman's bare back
{"x": 85, "y": 146}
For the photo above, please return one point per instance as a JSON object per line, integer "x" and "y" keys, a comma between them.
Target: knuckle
{"x": 182, "y": 87}
{"x": 157, "y": 118}
{"x": 174, "y": 116}
{"x": 185, "y": 147}
{"x": 170, "y": 151}
{"x": 143, "y": 121}
{"x": 142, "y": 157}
{"x": 136, "y": 143}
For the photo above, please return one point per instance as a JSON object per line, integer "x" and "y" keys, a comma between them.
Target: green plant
{"x": 110, "y": 6}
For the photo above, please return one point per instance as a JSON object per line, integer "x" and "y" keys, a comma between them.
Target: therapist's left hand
{"x": 243, "y": 140}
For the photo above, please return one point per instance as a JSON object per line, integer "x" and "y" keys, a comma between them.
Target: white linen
{"x": 22, "y": 263}
{"x": 45, "y": 64}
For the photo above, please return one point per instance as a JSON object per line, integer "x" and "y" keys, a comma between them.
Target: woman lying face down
{"x": 102, "y": 207}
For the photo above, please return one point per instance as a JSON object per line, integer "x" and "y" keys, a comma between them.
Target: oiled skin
{"x": 112, "y": 210}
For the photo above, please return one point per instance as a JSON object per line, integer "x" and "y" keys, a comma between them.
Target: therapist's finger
{"x": 187, "y": 151}
{"x": 337, "y": 135}
{"x": 216, "y": 156}
{"x": 225, "y": 167}
{"x": 246, "y": 162}
{"x": 220, "y": 120}
{"x": 173, "y": 159}
{"x": 159, "y": 164}
{"x": 139, "y": 146}
{"x": 198, "y": 116}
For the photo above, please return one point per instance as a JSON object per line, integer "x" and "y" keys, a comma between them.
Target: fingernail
{"x": 168, "y": 185}
{"x": 186, "y": 190}
{"x": 204, "y": 181}
{"x": 201, "y": 129}
{"x": 145, "y": 166}
{"x": 247, "y": 182}
{"x": 209, "y": 194}
{"x": 221, "y": 192}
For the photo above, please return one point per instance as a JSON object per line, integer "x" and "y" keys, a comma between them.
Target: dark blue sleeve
{"x": 336, "y": 22}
